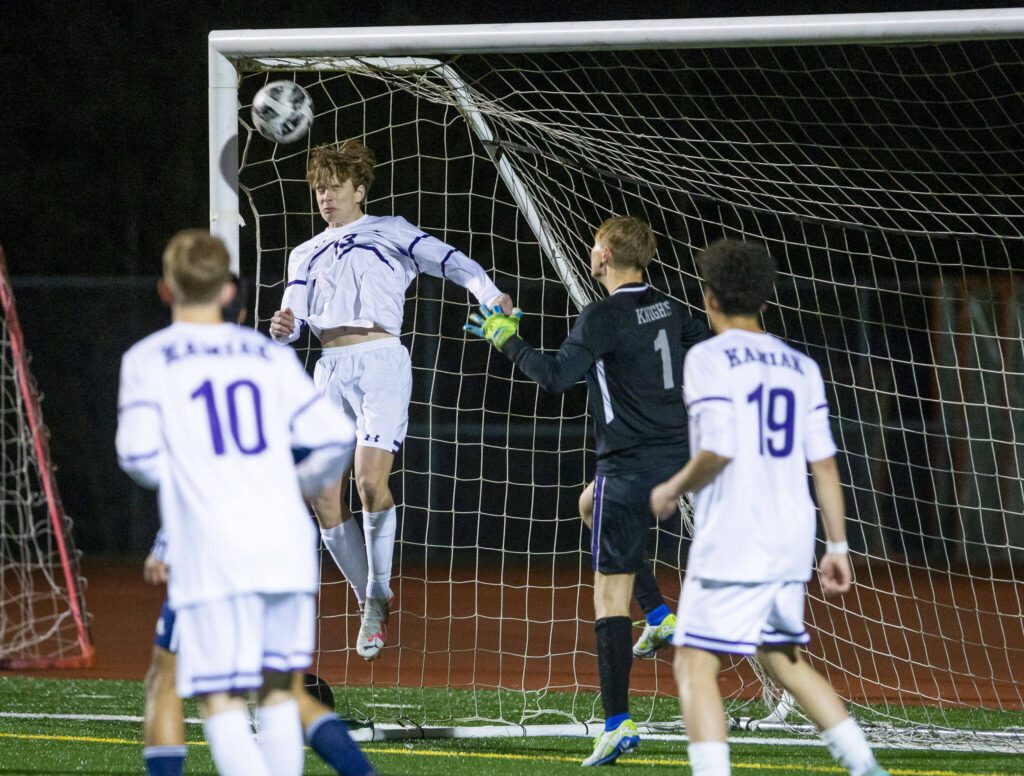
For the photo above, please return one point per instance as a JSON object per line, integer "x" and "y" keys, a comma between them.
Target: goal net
{"x": 43, "y": 620}
{"x": 885, "y": 178}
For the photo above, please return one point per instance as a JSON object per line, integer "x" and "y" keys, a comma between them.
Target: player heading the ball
{"x": 758, "y": 415}
{"x": 348, "y": 285}
{"x": 215, "y": 417}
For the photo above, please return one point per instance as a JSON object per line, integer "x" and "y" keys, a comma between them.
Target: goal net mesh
{"x": 42, "y": 607}
{"x": 887, "y": 181}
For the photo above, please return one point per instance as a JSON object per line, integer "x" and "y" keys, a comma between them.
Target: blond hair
{"x": 334, "y": 164}
{"x": 196, "y": 266}
{"x": 631, "y": 241}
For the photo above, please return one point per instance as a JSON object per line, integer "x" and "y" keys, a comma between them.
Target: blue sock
{"x": 165, "y": 760}
{"x": 655, "y": 616}
{"x": 329, "y": 738}
{"x": 613, "y": 722}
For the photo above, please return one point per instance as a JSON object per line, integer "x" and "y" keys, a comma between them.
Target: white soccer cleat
{"x": 610, "y": 744}
{"x": 655, "y": 637}
{"x": 876, "y": 770}
{"x": 373, "y": 632}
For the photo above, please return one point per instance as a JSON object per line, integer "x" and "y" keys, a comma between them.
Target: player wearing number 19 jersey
{"x": 758, "y": 417}
{"x": 755, "y": 381}
{"x": 233, "y": 433}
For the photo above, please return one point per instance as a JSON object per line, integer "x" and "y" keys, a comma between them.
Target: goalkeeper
{"x": 630, "y": 346}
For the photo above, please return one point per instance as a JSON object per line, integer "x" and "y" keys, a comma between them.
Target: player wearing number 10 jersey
{"x": 230, "y": 429}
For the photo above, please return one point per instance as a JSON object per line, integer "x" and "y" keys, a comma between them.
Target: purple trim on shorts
{"x": 688, "y": 634}
{"x": 397, "y": 445}
{"x": 822, "y": 406}
{"x": 223, "y": 677}
{"x": 295, "y": 283}
{"x": 595, "y": 539}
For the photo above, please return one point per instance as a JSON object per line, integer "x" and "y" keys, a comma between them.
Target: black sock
{"x": 614, "y": 661}
{"x": 646, "y": 590}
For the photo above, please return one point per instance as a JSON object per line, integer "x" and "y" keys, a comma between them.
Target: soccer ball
{"x": 282, "y": 111}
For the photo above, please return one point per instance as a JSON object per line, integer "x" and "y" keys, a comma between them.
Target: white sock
{"x": 232, "y": 745}
{"x": 709, "y": 758}
{"x": 380, "y": 548}
{"x": 345, "y": 543}
{"x": 848, "y": 745}
{"x": 281, "y": 738}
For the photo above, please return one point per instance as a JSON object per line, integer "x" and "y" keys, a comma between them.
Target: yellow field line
{"x": 406, "y": 752}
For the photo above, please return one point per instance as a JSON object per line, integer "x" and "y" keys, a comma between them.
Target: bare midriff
{"x": 343, "y": 336}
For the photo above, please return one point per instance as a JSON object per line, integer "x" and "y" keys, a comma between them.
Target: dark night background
{"x": 103, "y": 111}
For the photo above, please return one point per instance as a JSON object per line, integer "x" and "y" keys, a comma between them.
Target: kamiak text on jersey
{"x": 177, "y": 351}
{"x": 771, "y": 358}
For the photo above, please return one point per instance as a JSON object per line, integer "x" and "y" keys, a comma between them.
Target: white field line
{"x": 380, "y": 733}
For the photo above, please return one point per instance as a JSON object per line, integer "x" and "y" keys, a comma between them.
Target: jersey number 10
{"x": 205, "y": 392}
{"x": 774, "y": 422}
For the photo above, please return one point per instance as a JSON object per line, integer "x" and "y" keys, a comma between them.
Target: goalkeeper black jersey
{"x": 630, "y": 346}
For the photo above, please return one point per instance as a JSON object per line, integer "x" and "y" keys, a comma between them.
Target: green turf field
{"x": 51, "y": 744}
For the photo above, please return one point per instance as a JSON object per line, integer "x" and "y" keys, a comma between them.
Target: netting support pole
{"x": 552, "y": 247}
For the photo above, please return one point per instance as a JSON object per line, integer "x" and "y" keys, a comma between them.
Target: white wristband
{"x": 837, "y": 548}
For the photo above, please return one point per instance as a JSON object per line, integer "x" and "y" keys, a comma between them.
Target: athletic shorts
{"x": 622, "y": 519}
{"x": 225, "y": 645}
{"x": 166, "y": 638}
{"x": 372, "y": 382}
{"x": 739, "y": 617}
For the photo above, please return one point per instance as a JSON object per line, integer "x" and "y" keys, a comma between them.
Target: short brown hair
{"x": 196, "y": 266}
{"x": 336, "y": 163}
{"x": 741, "y": 275}
{"x": 630, "y": 239}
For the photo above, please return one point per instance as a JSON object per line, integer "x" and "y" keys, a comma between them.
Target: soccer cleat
{"x": 611, "y": 743}
{"x": 655, "y": 637}
{"x": 876, "y": 770}
{"x": 373, "y": 632}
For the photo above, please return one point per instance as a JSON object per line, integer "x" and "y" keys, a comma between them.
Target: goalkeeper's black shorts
{"x": 622, "y": 519}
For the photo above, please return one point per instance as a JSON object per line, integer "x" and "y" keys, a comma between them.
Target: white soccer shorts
{"x": 373, "y": 383}
{"x": 739, "y": 617}
{"x": 225, "y": 645}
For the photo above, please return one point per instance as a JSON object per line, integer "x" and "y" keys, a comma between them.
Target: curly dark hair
{"x": 741, "y": 275}
{"x": 335, "y": 163}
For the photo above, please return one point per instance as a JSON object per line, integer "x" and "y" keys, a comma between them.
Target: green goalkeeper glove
{"x": 494, "y": 326}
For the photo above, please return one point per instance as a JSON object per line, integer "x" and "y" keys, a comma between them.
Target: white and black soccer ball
{"x": 282, "y": 111}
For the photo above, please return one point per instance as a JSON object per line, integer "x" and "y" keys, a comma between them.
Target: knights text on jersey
{"x": 630, "y": 346}
{"x": 754, "y": 399}
{"x": 214, "y": 417}
{"x": 357, "y": 274}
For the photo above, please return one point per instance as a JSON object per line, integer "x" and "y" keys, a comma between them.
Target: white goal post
{"x": 880, "y": 157}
